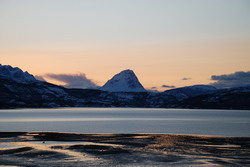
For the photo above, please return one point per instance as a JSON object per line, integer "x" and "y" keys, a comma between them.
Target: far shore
{"x": 177, "y": 108}
{"x": 75, "y": 149}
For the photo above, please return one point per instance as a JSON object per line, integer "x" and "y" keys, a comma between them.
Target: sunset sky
{"x": 165, "y": 42}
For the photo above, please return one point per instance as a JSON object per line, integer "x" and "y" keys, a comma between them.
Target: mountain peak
{"x": 127, "y": 73}
{"x": 16, "y": 74}
{"x": 125, "y": 81}
{"x": 127, "y": 70}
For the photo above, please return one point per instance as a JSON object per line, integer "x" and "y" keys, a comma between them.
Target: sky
{"x": 167, "y": 43}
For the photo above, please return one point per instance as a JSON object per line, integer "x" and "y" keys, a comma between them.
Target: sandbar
{"x": 74, "y": 149}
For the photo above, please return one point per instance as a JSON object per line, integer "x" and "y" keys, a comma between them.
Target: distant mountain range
{"x": 191, "y": 91}
{"x": 20, "y": 89}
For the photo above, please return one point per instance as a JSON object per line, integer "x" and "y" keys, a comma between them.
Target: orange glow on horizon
{"x": 153, "y": 65}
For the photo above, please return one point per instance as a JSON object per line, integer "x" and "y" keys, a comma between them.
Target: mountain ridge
{"x": 17, "y": 92}
{"x": 190, "y": 91}
{"x": 7, "y": 71}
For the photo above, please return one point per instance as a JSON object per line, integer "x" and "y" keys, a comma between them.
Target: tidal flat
{"x": 76, "y": 149}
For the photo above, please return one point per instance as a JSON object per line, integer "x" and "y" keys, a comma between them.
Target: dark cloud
{"x": 167, "y": 86}
{"x": 185, "y": 79}
{"x": 73, "y": 80}
{"x": 154, "y": 87}
{"x": 236, "y": 79}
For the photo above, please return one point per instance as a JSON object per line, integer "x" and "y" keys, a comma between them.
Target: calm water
{"x": 128, "y": 120}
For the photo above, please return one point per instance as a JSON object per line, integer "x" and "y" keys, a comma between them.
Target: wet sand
{"x": 72, "y": 149}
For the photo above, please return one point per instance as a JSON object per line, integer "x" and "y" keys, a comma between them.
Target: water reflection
{"x": 128, "y": 120}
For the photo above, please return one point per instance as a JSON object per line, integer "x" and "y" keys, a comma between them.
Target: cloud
{"x": 185, "y": 79}
{"x": 236, "y": 79}
{"x": 39, "y": 77}
{"x": 167, "y": 86}
{"x": 73, "y": 80}
{"x": 157, "y": 88}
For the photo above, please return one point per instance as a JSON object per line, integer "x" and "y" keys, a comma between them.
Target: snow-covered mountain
{"x": 232, "y": 98}
{"x": 16, "y": 74}
{"x": 20, "y": 89}
{"x": 190, "y": 91}
{"x": 125, "y": 81}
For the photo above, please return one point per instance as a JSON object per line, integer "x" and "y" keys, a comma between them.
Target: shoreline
{"x": 140, "y": 149}
{"x": 12, "y": 133}
{"x": 124, "y": 107}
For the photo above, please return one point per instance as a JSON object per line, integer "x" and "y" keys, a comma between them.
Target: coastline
{"x": 76, "y": 149}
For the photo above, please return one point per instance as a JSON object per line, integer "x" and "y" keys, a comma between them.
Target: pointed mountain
{"x": 125, "y": 81}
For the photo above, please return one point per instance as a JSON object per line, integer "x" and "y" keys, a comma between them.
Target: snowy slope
{"x": 21, "y": 89}
{"x": 190, "y": 91}
{"x": 125, "y": 81}
{"x": 16, "y": 74}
